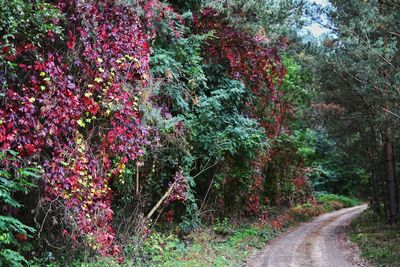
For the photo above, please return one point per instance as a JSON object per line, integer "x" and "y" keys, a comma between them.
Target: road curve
{"x": 319, "y": 243}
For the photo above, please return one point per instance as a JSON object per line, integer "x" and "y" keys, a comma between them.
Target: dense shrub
{"x": 14, "y": 233}
{"x": 328, "y": 198}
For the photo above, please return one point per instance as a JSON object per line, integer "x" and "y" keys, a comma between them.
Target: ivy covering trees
{"x": 120, "y": 116}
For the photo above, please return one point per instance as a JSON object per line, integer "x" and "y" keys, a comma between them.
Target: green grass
{"x": 347, "y": 201}
{"x": 206, "y": 248}
{"x": 379, "y": 242}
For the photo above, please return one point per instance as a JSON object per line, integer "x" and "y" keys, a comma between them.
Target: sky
{"x": 315, "y": 28}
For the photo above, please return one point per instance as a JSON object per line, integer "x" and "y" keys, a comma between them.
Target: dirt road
{"x": 319, "y": 243}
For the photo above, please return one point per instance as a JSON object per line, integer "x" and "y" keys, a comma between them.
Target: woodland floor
{"x": 321, "y": 242}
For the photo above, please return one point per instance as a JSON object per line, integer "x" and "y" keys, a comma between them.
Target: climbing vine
{"x": 77, "y": 112}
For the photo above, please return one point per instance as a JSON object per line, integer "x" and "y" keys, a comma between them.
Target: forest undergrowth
{"x": 225, "y": 242}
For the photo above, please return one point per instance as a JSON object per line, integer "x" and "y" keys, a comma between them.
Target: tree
{"x": 360, "y": 75}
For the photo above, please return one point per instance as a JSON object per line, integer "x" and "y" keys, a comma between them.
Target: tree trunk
{"x": 374, "y": 183}
{"x": 391, "y": 178}
{"x": 377, "y": 169}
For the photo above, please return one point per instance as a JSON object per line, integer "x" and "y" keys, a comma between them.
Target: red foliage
{"x": 179, "y": 188}
{"x": 21, "y": 237}
{"x": 169, "y": 216}
{"x": 253, "y": 203}
{"x": 71, "y": 41}
{"x": 281, "y": 220}
{"x": 249, "y": 60}
{"x": 76, "y": 112}
{"x": 298, "y": 182}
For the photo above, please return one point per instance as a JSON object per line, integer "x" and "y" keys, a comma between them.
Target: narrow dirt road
{"x": 319, "y": 243}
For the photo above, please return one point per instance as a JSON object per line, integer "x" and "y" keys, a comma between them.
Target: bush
{"x": 329, "y": 198}
{"x": 306, "y": 211}
{"x": 223, "y": 227}
{"x": 326, "y": 203}
{"x": 13, "y": 232}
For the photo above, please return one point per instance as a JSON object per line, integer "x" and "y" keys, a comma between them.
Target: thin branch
{"x": 372, "y": 49}
{"x": 390, "y": 4}
{"x": 160, "y": 201}
{"x": 209, "y": 211}
{"x": 390, "y": 112}
{"x": 205, "y": 197}
{"x": 367, "y": 107}
{"x": 45, "y": 216}
{"x": 205, "y": 169}
{"x": 137, "y": 179}
{"x": 394, "y": 33}
{"x": 158, "y": 217}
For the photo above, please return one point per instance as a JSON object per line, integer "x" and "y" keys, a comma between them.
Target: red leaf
{"x": 71, "y": 41}
{"x": 21, "y": 237}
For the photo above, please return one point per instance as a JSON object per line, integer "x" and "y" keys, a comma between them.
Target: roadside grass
{"x": 223, "y": 243}
{"x": 209, "y": 246}
{"x": 329, "y": 198}
{"x": 325, "y": 203}
{"x": 379, "y": 242}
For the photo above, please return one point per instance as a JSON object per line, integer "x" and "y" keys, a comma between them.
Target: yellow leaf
{"x": 81, "y": 123}
{"x": 128, "y": 57}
